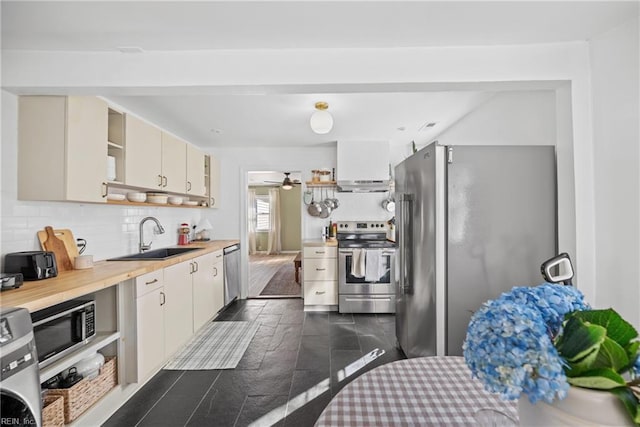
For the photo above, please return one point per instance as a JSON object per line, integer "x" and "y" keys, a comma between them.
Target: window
{"x": 262, "y": 213}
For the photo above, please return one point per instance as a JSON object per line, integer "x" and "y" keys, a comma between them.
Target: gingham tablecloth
{"x": 421, "y": 391}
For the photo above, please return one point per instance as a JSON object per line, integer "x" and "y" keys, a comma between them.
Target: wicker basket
{"x": 53, "y": 411}
{"x": 81, "y": 396}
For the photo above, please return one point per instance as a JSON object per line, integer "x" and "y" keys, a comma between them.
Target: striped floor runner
{"x": 220, "y": 345}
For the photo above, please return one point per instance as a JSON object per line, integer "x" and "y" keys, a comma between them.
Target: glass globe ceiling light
{"x": 321, "y": 121}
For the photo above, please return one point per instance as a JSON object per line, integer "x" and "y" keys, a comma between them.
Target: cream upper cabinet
{"x": 213, "y": 180}
{"x": 195, "y": 172}
{"x": 174, "y": 164}
{"x": 143, "y": 154}
{"x": 62, "y": 149}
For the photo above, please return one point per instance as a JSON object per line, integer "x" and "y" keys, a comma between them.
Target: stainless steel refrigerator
{"x": 473, "y": 221}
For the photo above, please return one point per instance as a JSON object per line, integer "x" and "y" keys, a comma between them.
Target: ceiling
{"x": 282, "y": 119}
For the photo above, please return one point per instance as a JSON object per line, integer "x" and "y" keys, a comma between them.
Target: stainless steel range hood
{"x": 360, "y": 186}
{"x": 363, "y": 166}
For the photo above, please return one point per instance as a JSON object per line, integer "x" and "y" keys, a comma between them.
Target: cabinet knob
{"x": 213, "y": 201}
{"x": 319, "y": 252}
{"x": 152, "y": 281}
{"x": 104, "y": 189}
{"x": 163, "y": 298}
{"x": 320, "y": 292}
{"x": 164, "y": 181}
{"x": 159, "y": 180}
{"x": 215, "y": 271}
{"x": 188, "y": 185}
{"x": 320, "y": 269}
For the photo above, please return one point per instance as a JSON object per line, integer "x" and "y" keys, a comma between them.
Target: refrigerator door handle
{"x": 406, "y": 247}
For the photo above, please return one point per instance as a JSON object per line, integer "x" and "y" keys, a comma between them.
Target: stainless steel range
{"x": 366, "y": 268}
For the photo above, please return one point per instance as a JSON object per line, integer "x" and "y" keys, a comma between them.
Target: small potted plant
{"x": 546, "y": 343}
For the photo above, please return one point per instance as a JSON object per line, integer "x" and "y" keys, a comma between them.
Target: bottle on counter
{"x": 183, "y": 234}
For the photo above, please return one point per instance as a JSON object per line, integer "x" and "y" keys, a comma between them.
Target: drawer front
{"x": 320, "y": 269}
{"x": 217, "y": 256}
{"x": 320, "y": 252}
{"x": 320, "y": 293}
{"x": 149, "y": 282}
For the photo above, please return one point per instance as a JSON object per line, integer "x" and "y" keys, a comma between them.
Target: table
{"x": 297, "y": 263}
{"x": 423, "y": 391}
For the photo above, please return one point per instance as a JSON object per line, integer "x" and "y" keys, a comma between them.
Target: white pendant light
{"x": 321, "y": 121}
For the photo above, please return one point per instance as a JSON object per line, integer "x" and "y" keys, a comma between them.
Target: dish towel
{"x": 358, "y": 263}
{"x": 374, "y": 268}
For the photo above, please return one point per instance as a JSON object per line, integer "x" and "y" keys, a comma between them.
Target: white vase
{"x": 581, "y": 407}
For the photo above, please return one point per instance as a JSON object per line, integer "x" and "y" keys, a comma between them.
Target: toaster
{"x": 10, "y": 280}
{"x": 34, "y": 265}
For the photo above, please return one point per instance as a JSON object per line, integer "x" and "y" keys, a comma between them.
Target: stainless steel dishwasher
{"x": 231, "y": 273}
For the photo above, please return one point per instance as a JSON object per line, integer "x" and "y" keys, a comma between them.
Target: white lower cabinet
{"x": 320, "y": 274}
{"x": 172, "y": 304}
{"x": 150, "y": 300}
{"x": 208, "y": 288}
{"x": 218, "y": 283}
{"x": 178, "y": 308}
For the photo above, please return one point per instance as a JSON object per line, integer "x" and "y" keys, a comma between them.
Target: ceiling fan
{"x": 287, "y": 183}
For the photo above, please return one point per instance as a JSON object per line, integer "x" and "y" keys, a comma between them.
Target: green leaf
{"x": 601, "y": 379}
{"x": 617, "y": 328}
{"x": 630, "y": 402}
{"x": 611, "y": 355}
{"x": 632, "y": 354}
{"x": 580, "y": 341}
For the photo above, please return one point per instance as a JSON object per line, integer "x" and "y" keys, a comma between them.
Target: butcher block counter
{"x": 35, "y": 295}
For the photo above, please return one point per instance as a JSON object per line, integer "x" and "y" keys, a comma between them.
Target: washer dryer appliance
{"x": 20, "y": 378}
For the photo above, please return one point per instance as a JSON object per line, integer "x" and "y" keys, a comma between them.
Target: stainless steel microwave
{"x": 62, "y": 328}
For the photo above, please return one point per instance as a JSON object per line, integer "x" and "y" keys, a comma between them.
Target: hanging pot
{"x": 314, "y": 208}
{"x": 325, "y": 210}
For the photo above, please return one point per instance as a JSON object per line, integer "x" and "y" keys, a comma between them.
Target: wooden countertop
{"x": 320, "y": 242}
{"x": 35, "y": 295}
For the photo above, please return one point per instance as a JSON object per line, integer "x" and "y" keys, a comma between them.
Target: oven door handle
{"x": 385, "y": 253}
{"x": 370, "y": 299}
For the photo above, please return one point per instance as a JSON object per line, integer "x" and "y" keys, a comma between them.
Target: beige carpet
{"x": 263, "y": 267}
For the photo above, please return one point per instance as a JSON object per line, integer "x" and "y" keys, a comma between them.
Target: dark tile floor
{"x": 293, "y": 366}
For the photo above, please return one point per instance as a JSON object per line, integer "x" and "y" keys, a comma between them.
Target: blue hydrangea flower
{"x": 509, "y": 343}
{"x": 636, "y": 367}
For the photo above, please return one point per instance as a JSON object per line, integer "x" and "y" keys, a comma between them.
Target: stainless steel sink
{"x": 155, "y": 255}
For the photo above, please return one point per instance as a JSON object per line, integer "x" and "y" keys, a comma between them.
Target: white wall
{"x": 109, "y": 230}
{"x": 615, "y": 71}
{"x": 522, "y": 118}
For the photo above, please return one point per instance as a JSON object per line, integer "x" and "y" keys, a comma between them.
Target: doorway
{"x": 274, "y": 227}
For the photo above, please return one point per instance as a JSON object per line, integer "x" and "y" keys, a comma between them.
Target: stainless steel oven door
{"x": 348, "y": 284}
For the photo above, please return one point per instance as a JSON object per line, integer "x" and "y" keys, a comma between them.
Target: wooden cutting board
{"x": 62, "y": 244}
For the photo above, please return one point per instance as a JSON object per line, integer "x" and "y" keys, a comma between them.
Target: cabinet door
{"x": 203, "y": 290}
{"x": 86, "y": 150}
{"x": 149, "y": 322}
{"x": 174, "y": 163}
{"x": 218, "y": 284}
{"x": 214, "y": 182}
{"x": 143, "y": 154}
{"x": 178, "y": 308}
{"x": 195, "y": 172}
{"x": 61, "y": 148}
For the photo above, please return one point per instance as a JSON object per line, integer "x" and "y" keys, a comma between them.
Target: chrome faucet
{"x": 142, "y": 246}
